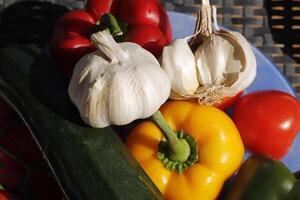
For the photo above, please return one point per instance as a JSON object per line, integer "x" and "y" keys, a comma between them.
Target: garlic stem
{"x": 205, "y": 2}
{"x": 179, "y": 149}
{"x": 112, "y": 50}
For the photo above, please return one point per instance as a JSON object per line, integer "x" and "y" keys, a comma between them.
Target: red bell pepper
{"x": 23, "y": 169}
{"x": 148, "y": 25}
{"x": 12, "y": 172}
{"x": 4, "y": 195}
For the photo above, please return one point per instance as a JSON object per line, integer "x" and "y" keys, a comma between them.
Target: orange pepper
{"x": 219, "y": 151}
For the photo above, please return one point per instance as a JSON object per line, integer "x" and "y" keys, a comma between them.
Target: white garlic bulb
{"x": 211, "y": 64}
{"x": 118, "y": 83}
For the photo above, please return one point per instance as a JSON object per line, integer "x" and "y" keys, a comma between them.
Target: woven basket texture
{"x": 273, "y": 26}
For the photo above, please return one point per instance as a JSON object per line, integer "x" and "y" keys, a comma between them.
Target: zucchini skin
{"x": 88, "y": 163}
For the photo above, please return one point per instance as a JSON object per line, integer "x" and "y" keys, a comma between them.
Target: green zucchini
{"x": 88, "y": 163}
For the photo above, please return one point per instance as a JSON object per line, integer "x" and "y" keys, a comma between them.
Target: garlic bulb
{"x": 118, "y": 83}
{"x": 211, "y": 64}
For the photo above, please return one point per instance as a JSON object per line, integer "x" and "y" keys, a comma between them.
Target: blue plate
{"x": 268, "y": 77}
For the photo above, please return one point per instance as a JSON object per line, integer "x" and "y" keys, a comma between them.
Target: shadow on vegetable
{"x": 29, "y": 22}
{"x": 50, "y": 86}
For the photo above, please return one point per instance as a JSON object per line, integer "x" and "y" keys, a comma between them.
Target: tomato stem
{"x": 179, "y": 149}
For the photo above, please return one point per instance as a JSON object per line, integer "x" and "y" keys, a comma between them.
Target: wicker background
{"x": 271, "y": 25}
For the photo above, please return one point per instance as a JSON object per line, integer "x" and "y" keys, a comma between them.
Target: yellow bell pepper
{"x": 206, "y": 150}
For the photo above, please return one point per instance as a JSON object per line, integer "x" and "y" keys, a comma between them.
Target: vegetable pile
{"x": 123, "y": 67}
{"x": 187, "y": 146}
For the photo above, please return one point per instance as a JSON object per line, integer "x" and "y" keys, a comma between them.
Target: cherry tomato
{"x": 268, "y": 121}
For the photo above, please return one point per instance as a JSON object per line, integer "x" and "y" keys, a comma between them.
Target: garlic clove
{"x": 88, "y": 92}
{"x": 212, "y": 58}
{"x": 179, "y": 63}
{"x": 135, "y": 93}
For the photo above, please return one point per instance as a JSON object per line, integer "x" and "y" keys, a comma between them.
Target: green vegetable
{"x": 262, "y": 178}
{"x": 88, "y": 163}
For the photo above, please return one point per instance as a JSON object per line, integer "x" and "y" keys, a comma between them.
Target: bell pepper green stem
{"x": 179, "y": 149}
{"x": 109, "y": 21}
{"x": 114, "y": 26}
{"x": 117, "y": 28}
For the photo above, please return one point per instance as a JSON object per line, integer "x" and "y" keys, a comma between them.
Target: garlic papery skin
{"x": 244, "y": 76}
{"x": 118, "y": 83}
{"x": 225, "y": 63}
{"x": 179, "y": 63}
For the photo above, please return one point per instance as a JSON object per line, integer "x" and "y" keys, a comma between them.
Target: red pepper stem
{"x": 179, "y": 149}
{"x": 116, "y": 27}
{"x": 109, "y": 21}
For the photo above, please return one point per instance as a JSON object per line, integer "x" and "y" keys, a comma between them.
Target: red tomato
{"x": 268, "y": 121}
